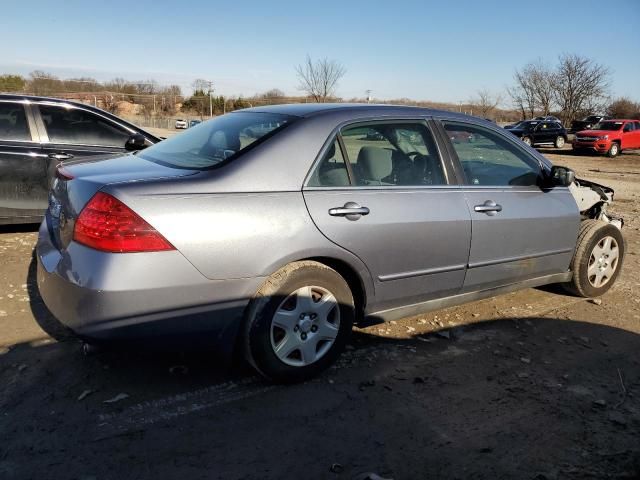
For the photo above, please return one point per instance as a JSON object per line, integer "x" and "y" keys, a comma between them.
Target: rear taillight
{"x": 107, "y": 224}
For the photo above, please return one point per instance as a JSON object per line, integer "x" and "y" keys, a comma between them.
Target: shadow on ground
{"x": 516, "y": 398}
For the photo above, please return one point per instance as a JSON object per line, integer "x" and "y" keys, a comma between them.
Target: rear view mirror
{"x": 135, "y": 142}
{"x": 562, "y": 176}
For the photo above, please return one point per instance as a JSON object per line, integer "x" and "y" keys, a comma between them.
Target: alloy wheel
{"x": 603, "y": 262}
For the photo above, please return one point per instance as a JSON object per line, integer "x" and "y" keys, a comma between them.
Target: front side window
{"x": 13, "y": 122}
{"x": 393, "y": 154}
{"x": 491, "y": 160}
{"x": 79, "y": 127}
{"x": 628, "y": 127}
{"x": 214, "y": 141}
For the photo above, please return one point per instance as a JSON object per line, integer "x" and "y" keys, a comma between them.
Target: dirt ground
{"x": 531, "y": 385}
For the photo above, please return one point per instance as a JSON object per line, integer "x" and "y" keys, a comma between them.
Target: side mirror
{"x": 135, "y": 142}
{"x": 562, "y": 176}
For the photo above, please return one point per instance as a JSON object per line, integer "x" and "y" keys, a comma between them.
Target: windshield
{"x": 608, "y": 126}
{"x": 216, "y": 140}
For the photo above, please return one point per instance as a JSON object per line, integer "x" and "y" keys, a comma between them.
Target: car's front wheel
{"x": 614, "y": 150}
{"x": 298, "y": 322}
{"x": 597, "y": 259}
{"x": 559, "y": 143}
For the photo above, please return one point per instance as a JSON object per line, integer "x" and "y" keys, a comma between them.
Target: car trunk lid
{"x": 77, "y": 181}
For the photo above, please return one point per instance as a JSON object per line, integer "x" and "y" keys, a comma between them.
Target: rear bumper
{"x": 105, "y": 297}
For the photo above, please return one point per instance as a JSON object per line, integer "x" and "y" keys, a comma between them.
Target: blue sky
{"x": 430, "y": 50}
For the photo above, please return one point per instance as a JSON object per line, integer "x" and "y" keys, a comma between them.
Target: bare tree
{"x": 541, "y": 79}
{"x": 319, "y": 79}
{"x": 579, "y": 85}
{"x": 624, "y": 108}
{"x": 523, "y": 93}
{"x": 485, "y": 102}
{"x": 273, "y": 93}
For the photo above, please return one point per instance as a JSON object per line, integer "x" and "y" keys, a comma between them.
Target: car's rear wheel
{"x": 614, "y": 150}
{"x": 527, "y": 140}
{"x": 597, "y": 259}
{"x": 298, "y": 322}
{"x": 559, "y": 143}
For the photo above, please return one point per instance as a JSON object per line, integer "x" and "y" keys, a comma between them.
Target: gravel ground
{"x": 534, "y": 384}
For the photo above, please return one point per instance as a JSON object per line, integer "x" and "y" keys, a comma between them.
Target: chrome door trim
{"x": 418, "y": 273}
{"x": 548, "y": 253}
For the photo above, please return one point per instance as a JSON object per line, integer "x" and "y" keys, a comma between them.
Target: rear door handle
{"x": 489, "y": 207}
{"x": 350, "y": 210}
{"x": 60, "y": 156}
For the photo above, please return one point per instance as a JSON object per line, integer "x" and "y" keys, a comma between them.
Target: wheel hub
{"x": 305, "y": 323}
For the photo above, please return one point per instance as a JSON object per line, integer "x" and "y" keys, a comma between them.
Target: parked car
{"x": 587, "y": 122}
{"x": 279, "y": 244}
{"x": 181, "y": 124}
{"x": 37, "y": 133}
{"x": 539, "y": 132}
{"x": 193, "y": 123}
{"x": 610, "y": 137}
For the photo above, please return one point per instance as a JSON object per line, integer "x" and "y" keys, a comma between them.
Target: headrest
{"x": 375, "y": 163}
{"x": 223, "y": 140}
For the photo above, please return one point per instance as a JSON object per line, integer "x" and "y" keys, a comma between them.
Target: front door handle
{"x": 489, "y": 207}
{"x": 60, "y": 156}
{"x": 350, "y": 210}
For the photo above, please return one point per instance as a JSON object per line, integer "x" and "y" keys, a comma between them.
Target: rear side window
{"x": 214, "y": 141}
{"x": 393, "y": 154}
{"x": 79, "y": 127}
{"x": 489, "y": 159}
{"x": 13, "y": 122}
{"x": 332, "y": 169}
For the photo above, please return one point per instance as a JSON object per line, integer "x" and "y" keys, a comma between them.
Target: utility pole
{"x": 210, "y": 100}
{"x": 368, "y": 94}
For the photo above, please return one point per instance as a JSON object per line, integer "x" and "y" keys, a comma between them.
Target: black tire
{"x": 259, "y": 316}
{"x": 592, "y": 233}
{"x": 614, "y": 150}
{"x": 559, "y": 142}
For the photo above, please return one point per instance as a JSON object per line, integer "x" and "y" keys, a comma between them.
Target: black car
{"x": 587, "y": 123}
{"x": 38, "y": 133}
{"x": 539, "y": 132}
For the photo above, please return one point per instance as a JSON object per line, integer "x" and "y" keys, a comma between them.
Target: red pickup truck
{"x": 609, "y": 136}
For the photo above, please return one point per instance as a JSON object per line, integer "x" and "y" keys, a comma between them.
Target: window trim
{"x": 464, "y": 181}
{"x": 336, "y": 134}
{"x": 44, "y": 134}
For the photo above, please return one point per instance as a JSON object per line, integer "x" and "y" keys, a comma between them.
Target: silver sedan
{"x": 276, "y": 228}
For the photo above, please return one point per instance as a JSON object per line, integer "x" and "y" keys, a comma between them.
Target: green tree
{"x": 12, "y": 83}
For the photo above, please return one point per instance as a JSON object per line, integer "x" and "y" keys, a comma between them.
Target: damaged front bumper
{"x": 593, "y": 200}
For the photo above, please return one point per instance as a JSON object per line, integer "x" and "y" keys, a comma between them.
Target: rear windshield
{"x": 608, "y": 126}
{"x": 214, "y": 141}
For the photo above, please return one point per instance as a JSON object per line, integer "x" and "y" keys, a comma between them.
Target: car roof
{"x": 34, "y": 98}
{"x": 312, "y": 109}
